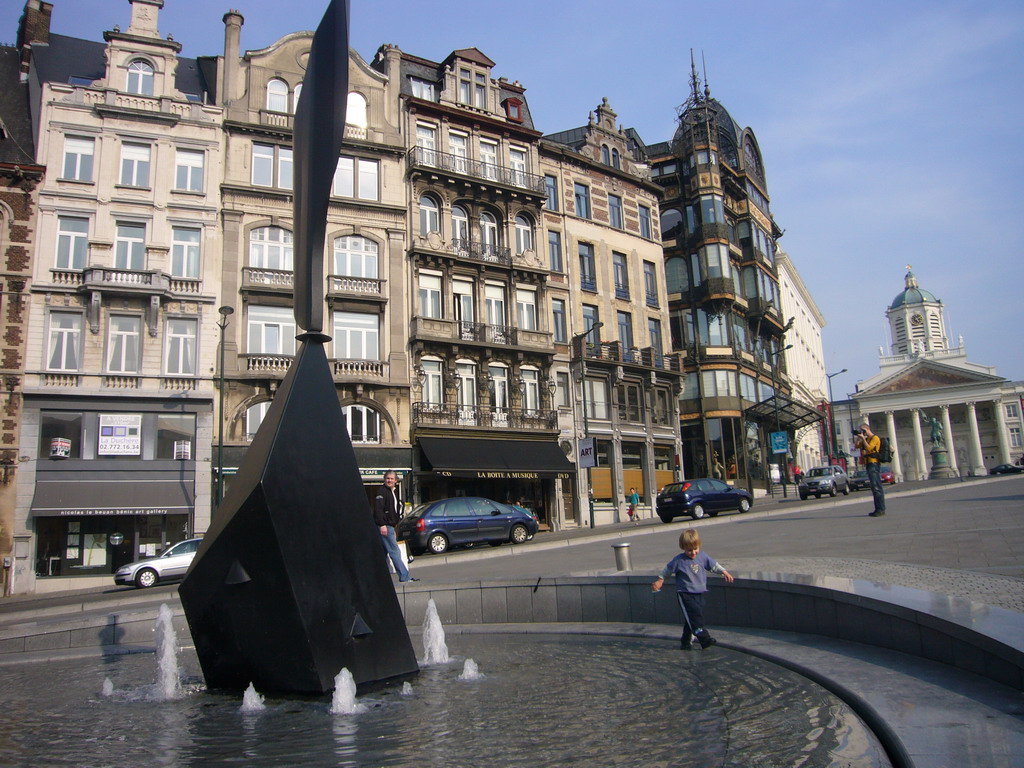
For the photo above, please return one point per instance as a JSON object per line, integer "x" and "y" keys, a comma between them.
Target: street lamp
{"x": 778, "y": 428}
{"x": 586, "y": 424}
{"x": 225, "y": 312}
{"x": 832, "y": 415}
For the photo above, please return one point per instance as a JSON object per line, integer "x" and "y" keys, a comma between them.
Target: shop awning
{"x": 494, "y": 459}
{"x": 791, "y": 414}
{"x": 95, "y": 495}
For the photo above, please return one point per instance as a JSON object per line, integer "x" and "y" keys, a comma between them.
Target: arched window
{"x": 488, "y": 230}
{"x": 254, "y": 417}
{"x": 295, "y": 97}
{"x": 616, "y": 162}
{"x": 670, "y": 221}
{"x": 460, "y": 226}
{"x": 363, "y": 423}
{"x": 140, "y": 78}
{"x": 277, "y": 96}
{"x": 529, "y": 383}
{"x": 524, "y": 234}
{"x": 605, "y": 157}
{"x": 431, "y": 388}
{"x": 355, "y": 256}
{"x": 271, "y": 248}
{"x": 430, "y": 220}
{"x": 497, "y": 378}
{"x": 355, "y": 112}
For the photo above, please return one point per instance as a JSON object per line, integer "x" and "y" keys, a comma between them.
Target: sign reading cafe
{"x": 120, "y": 434}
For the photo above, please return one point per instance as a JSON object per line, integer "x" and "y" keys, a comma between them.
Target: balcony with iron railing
{"x": 482, "y": 416}
{"x": 485, "y": 334}
{"x": 622, "y": 291}
{"x": 651, "y": 299}
{"x": 614, "y": 352}
{"x": 421, "y": 158}
{"x": 485, "y": 252}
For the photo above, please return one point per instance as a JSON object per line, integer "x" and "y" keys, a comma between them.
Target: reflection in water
{"x": 562, "y": 700}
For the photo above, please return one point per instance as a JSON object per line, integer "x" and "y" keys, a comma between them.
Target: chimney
{"x": 233, "y": 22}
{"x": 34, "y": 27}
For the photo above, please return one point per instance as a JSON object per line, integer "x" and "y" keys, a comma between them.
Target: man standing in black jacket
{"x": 386, "y": 514}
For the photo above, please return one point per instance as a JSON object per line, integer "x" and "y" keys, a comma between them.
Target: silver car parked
{"x": 172, "y": 564}
{"x": 822, "y": 481}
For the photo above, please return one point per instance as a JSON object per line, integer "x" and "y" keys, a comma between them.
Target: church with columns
{"x": 944, "y": 415}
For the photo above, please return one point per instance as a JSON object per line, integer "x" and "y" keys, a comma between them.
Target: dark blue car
{"x": 466, "y": 520}
{"x": 703, "y": 496}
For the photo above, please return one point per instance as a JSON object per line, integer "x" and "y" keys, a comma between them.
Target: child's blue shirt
{"x": 691, "y": 573}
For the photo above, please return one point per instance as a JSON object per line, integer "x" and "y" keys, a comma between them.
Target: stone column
{"x": 922, "y": 464}
{"x": 947, "y": 427}
{"x": 1004, "y": 446}
{"x": 897, "y": 463}
{"x": 974, "y": 449}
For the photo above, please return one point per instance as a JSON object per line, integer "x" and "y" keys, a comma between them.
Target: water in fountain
{"x": 630, "y": 702}
{"x": 343, "y": 702}
{"x": 435, "y": 650}
{"x": 108, "y": 687}
{"x": 407, "y": 688}
{"x": 252, "y": 701}
{"x": 470, "y": 671}
{"x": 168, "y": 684}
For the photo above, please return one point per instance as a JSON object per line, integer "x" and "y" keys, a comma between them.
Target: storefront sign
{"x": 587, "y": 457}
{"x": 120, "y": 434}
{"x": 96, "y": 512}
{"x": 500, "y": 474}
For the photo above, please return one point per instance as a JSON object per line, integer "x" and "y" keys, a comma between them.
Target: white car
{"x": 172, "y": 564}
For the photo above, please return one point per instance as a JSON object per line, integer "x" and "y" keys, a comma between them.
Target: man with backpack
{"x": 870, "y": 446}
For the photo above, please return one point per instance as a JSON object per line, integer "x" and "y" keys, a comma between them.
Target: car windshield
{"x": 819, "y": 472}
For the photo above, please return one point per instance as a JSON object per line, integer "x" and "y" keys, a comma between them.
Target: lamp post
{"x": 778, "y": 428}
{"x": 579, "y": 337}
{"x": 225, "y": 312}
{"x": 832, "y": 416}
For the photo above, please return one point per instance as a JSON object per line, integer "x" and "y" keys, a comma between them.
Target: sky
{"x": 890, "y": 129}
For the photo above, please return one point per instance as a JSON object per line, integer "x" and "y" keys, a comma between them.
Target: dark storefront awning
{"x": 791, "y": 414}
{"x": 95, "y": 495}
{"x": 494, "y": 459}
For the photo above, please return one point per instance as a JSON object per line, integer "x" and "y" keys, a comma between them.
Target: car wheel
{"x": 146, "y": 578}
{"x": 697, "y": 512}
{"x": 832, "y": 490}
{"x": 666, "y": 518}
{"x": 438, "y": 543}
{"x": 519, "y": 534}
{"x": 744, "y": 506}
{"x": 846, "y": 490}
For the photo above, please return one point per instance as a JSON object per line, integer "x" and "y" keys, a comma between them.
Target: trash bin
{"x": 623, "y": 562}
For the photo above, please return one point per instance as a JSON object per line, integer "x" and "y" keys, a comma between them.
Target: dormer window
{"x": 472, "y": 88}
{"x": 140, "y": 78}
{"x": 514, "y": 110}
{"x": 277, "y": 96}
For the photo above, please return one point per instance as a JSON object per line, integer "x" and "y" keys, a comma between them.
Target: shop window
{"x": 60, "y": 435}
{"x": 175, "y": 431}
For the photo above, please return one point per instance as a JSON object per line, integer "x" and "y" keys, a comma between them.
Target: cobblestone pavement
{"x": 1001, "y": 591}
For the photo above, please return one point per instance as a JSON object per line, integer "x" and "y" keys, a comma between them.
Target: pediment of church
{"x": 924, "y": 375}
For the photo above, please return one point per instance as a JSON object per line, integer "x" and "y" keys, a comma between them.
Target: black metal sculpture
{"x": 290, "y": 583}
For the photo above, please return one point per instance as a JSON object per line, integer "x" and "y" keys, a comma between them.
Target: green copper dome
{"x": 912, "y": 294}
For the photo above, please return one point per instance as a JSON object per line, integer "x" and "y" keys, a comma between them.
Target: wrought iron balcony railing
{"x": 488, "y": 252}
{"x": 455, "y": 415}
{"x": 421, "y": 157}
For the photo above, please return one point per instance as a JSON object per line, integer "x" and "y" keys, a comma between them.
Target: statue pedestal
{"x": 940, "y": 465}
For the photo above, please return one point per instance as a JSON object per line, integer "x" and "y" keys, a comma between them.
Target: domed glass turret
{"x": 912, "y": 293}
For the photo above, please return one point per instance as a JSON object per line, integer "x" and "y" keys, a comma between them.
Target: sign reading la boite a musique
{"x": 120, "y": 434}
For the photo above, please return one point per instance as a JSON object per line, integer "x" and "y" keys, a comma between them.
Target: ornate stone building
{"x": 118, "y": 384}
{"x": 929, "y": 398}
{"x": 617, "y": 381}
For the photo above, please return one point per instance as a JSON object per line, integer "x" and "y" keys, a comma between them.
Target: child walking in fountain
{"x": 690, "y": 569}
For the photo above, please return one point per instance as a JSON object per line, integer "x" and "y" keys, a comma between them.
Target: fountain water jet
{"x": 435, "y": 650}
{"x": 168, "y": 684}
{"x": 470, "y": 671}
{"x": 343, "y": 702}
{"x": 252, "y": 701}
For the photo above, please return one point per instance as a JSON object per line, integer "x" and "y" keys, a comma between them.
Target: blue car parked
{"x": 464, "y": 521}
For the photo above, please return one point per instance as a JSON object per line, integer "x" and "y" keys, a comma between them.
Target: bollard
{"x": 622, "y": 558}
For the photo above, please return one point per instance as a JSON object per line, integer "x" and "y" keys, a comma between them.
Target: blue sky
{"x": 891, "y": 131}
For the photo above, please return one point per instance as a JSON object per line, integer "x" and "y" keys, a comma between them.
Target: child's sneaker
{"x": 705, "y": 639}
{"x": 686, "y": 645}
